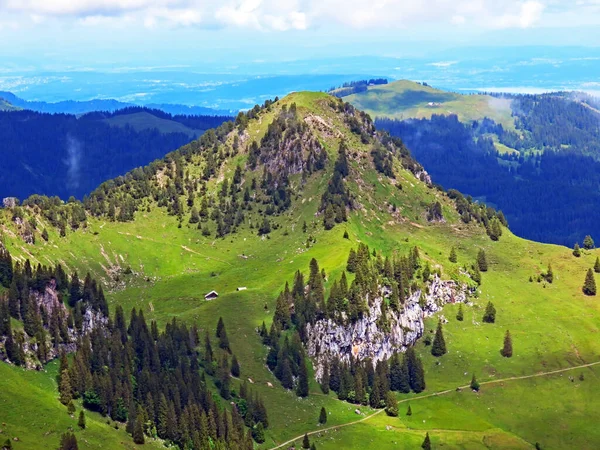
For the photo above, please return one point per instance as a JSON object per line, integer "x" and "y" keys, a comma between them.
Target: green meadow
{"x": 554, "y": 326}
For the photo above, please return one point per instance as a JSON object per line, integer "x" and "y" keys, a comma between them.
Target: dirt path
{"x": 435, "y": 394}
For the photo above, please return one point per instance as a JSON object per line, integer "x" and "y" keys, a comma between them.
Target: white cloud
{"x": 529, "y": 13}
{"x": 282, "y": 15}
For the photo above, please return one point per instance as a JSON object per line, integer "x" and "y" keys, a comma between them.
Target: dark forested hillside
{"x": 550, "y": 196}
{"x": 60, "y": 154}
{"x": 83, "y": 107}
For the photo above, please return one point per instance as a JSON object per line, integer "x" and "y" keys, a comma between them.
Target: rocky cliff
{"x": 366, "y": 338}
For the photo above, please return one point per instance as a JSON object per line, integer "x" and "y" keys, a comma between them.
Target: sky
{"x": 88, "y": 34}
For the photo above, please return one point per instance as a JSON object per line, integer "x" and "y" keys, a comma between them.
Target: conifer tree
{"x": 490, "y": 313}
{"x": 475, "y": 274}
{"x": 302, "y": 388}
{"x": 68, "y": 441}
{"x": 426, "y": 272}
{"x": 576, "y": 251}
{"x": 258, "y": 433}
{"x": 597, "y": 265}
{"x": 588, "y": 242}
{"x": 305, "y": 441}
{"x": 235, "y": 367}
{"x": 474, "y": 383}
{"x": 222, "y": 335}
{"x": 549, "y": 274}
{"x": 426, "y": 445}
{"x": 439, "y": 344}
{"x": 589, "y": 286}
{"x": 323, "y": 416}
{"x": 81, "y": 421}
{"x": 325, "y": 379}
{"x": 65, "y": 389}
{"x": 391, "y": 404}
{"x": 138, "y": 433}
{"x": 409, "y": 411}
{"x": 482, "y": 261}
{"x": 453, "y": 257}
{"x": 460, "y": 315}
{"x": 415, "y": 371}
{"x": 507, "y": 349}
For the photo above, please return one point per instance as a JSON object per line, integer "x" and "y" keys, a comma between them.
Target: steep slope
{"x": 5, "y": 105}
{"x": 65, "y": 155}
{"x": 162, "y": 237}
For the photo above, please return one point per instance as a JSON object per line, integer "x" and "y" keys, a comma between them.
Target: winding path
{"x": 379, "y": 411}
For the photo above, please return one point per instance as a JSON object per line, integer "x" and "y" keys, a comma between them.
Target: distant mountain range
{"x": 536, "y": 157}
{"x": 82, "y": 107}
{"x": 68, "y": 155}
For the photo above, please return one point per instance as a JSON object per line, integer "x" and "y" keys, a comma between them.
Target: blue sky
{"x": 80, "y": 34}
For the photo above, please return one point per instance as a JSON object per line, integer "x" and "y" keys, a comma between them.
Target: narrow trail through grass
{"x": 435, "y": 394}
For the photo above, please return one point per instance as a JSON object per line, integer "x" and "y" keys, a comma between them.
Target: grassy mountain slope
{"x": 146, "y": 121}
{"x": 173, "y": 268}
{"x": 6, "y": 106}
{"x": 407, "y": 99}
{"x": 32, "y": 414}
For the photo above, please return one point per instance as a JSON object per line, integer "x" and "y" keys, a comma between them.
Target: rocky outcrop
{"x": 366, "y": 339}
{"x": 49, "y": 300}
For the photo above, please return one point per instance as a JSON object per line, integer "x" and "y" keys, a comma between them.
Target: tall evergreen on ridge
{"x": 482, "y": 261}
{"x": 507, "y": 349}
{"x": 589, "y": 286}
{"x": 439, "y": 344}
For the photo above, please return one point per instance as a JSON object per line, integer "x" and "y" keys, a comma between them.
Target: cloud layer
{"x": 282, "y": 15}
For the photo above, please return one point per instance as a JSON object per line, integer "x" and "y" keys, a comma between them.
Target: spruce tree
{"x": 325, "y": 379}
{"x": 409, "y": 411}
{"x": 588, "y": 242}
{"x": 460, "y": 315}
{"x": 474, "y": 383}
{"x": 222, "y": 335}
{"x": 549, "y": 274}
{"x": 65, "y": 390}
{"x": 597, "y": 265}
{"x": 439, "y": 344}
{"x": 323, "y": 416}
{"x": 305, "y": 441}
{"x": 68, "y": 441}
{"x": 475, "y": 274}
{"x": 235, "y": 367}
{"x": 507, "y": 349}
{"x": 576, "y": 251}
{"x": 391, "y": 404}
{"x": 258, "y": 433}
{"x": 589, "y": 286}
{"x": 138, "y": 432}
{"x": 302, "y": 388}
{"x": 81, "y": 421}
{"x": 482, "y": 261}
{"x": 453, "y": 258}
{"x": 490, "y": 313}
{"x": 426, "y": 445}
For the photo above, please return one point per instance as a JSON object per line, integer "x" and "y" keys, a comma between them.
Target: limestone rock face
{"x": 49, "y": 300}
{"x": 365, "y": 339}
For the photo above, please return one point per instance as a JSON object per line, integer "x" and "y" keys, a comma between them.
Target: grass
{"x": 553, "y": 326}
{"x": 145, "y": 121}
{"x": 30, "y": 411}
{"x": 406, "y": 99}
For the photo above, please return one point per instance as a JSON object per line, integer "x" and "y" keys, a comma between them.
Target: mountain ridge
{"x": 308, "y": 154}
